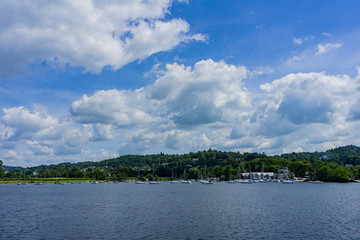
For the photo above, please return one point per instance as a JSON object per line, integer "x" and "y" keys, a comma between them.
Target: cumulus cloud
{"x": 203, "y": 94}
{"x": 42, "y": 133}
{"x": 89, "y": 33}
{"x": 311, "y": 97}
{"x": 103, "y": 132}
{"x": 324, "y": 48}
{"x": 182, "y": 97}
{"x": 187, "y": 96}
{"x": 189, "y": 108}
{"x": 120, "y": 108}
{"x": 22, "y": 123}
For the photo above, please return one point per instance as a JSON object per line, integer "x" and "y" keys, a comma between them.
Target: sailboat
{"x": 172, "y": 177}
{"x": 154, "y": 181}
{"x": 185, "y": 181}
{"x": 204, "y": 181}
{"x": 262, "y": 180}
{"x": 248, "y": 180}
{"x": 287, "y": 180}
{"x": 18, "y": 183}
{"x": 139, "y": 181}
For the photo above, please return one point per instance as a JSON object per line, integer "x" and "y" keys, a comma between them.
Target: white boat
{"x": 185, "y": 181}
{"x": 204, "y": 181}
{"x": 154, "y": 182}
{"x": 139, "y": 182}
{"x": 174, "y": 182}
{"x": 317, "y": 182}
{"x": 246, "y": 181}
{"x": 299, "y": 179}
{"x": 288, "y": 181}
{"x": 231, "y": 181}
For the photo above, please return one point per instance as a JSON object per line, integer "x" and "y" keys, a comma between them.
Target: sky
{"x": 89, "y": 80}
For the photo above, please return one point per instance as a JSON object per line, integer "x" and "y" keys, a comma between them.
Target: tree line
{"x": 335, "y": 165}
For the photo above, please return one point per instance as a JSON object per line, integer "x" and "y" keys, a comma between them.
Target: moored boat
{"x": 288, "y": 181}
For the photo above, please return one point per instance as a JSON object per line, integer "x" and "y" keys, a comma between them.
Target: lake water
{"x": 180, "y": 211}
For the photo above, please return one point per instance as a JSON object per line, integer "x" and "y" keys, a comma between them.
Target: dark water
{"x": 179, "y": 211}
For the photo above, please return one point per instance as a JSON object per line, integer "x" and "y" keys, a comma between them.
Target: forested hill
{"x": 338, "y": 165}
{"x": 341, "y": 155}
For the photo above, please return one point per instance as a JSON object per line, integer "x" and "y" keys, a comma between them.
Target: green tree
{"x": 150, "y": 177}
{"x": 323, "y": 173}
{"x": 124, "y": 170}
{"x": 193, "y": 173}
{"x": 163, "y": 171}
{"x": 229, "y": 172}
{"x": 301, "y": 168}
{"x": 99, "y": 174}
{"x": 75, "y": 172}
{"x": 218, "y": 171}
{"x": 340, "y": 174}
{"x": 2, "y": 172}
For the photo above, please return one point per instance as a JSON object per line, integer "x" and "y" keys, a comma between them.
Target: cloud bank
{"x": 190, "y": 108}
{"x": 87, "y": 33}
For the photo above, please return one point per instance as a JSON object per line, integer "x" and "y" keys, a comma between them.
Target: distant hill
{"x": 9, "y": 168}
{"x": 342, "y": 155}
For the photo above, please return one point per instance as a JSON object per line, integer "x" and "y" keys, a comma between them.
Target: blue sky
{"x": 91, "y": 80}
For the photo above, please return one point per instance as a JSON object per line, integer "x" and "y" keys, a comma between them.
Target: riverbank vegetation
{"x": 335, "y": 165}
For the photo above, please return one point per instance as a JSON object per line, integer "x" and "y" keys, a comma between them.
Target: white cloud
{"x": 324, "y": 48}
{"x": 89, "y": 33}
{"x": 312, "y": 97}
{"x": 42, "y": 133}
{"x": 203, "y": 94}
{"x": 301, "y": 40}
{"x": 141, "y": 140}
{"x": 298, "y": 41}
{"x": 103, "y": 132}
{"x": 189, "y": 97}
{"x": 327, "y": 34}
{"x": 21, "y": 123}
{"x": 190, "y": 108}
{"x": 120, "y": 108}
{"x": 294, "y": 60}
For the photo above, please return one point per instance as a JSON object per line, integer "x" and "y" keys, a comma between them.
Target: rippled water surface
{"x": 180, "y": 211}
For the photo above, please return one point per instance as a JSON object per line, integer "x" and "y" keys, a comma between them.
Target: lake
{"x": 180, "y": 211}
